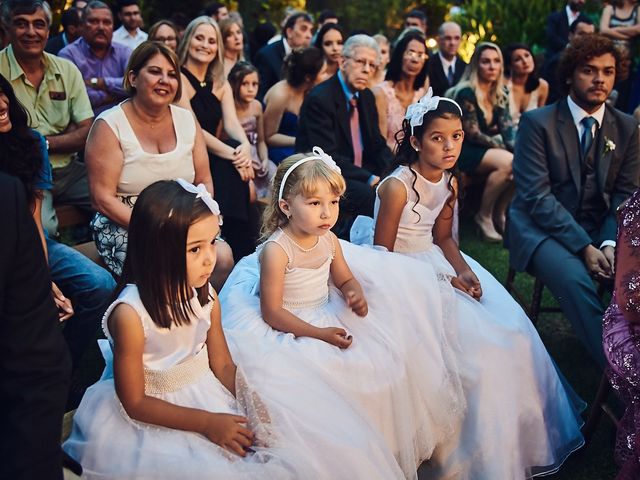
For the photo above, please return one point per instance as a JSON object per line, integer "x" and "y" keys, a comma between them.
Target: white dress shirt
{"x": 122, "y": 36}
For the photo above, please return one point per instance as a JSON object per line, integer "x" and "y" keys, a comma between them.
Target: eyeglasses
{"x": 362, "y": 63}
{"x": 413, "y": 55}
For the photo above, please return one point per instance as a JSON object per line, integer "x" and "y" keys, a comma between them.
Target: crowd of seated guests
{"x": 100, "y": 113}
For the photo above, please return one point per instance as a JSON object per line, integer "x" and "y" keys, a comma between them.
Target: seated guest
{"x": 71, "y": 22}
{"x": 208, "y": 94}
{"x": 575, "y": 162}
{"x": 165, "y": 32}
{"x": 330, "y": 40}
{"x": 620, "y": 21}
{"x": 233, "y": 38}
{"x": 403, "y": 85}
{"x": 33, "y": 359}
{"x": 526, "y": 90}
{"x": 385, "y": 47}
{"x": 216, "y": 10}
{"x": 302, "y": 70}
{"x": 142, "y": 140}
{"x": 416, "y": 19}
{"x": 23, "y": 153}
{"x": 296, "y": 33}
{"x": 445, "y": 66}
{"x": 52, "y": 91}
{"x": 488, "y": 140}
{"x": 340, "y": 114}
{"x": 129, "y": 34}
{"x": 327, "y": 16}
{"x": 101, "y": 61}
{"x": 620, "y": 331}
{"x": 558, "y": 23}
{"x": 582, "y": 26}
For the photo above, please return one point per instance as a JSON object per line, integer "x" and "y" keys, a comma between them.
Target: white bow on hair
{"x": 201, "y": 193}
{"x": 416, "y": 111}
{"x": 318, "y": 154}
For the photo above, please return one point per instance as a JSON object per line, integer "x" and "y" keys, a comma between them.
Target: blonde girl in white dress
{"x": 328, "y": 316}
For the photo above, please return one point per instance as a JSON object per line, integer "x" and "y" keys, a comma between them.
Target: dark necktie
{"x": 354, "y": 123}
{"x": 450, "y": 75}
{"x": 587, "y": 135}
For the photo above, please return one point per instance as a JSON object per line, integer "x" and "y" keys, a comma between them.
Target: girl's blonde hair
{"x": 498, "y": 93}
{"x": 301, "y": 181}
{"x": 215, "y": 70}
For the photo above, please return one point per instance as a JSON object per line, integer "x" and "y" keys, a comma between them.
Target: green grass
{"x": 595, "y": 461}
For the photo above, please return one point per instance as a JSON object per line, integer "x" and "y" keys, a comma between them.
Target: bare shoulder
{"x": 124, "y": 321}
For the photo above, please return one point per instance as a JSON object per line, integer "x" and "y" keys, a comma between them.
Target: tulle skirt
{"x": 398, "y": 379}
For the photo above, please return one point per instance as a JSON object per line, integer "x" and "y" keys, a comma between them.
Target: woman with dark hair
{"x": 527, "y": 90}
{"x": 330, "y": 40}
{"x": 165, "y": 32}
{"x": 302, "y": 70}
{"x": 489, "y": 135}
{"x": 23, "y": 154}
{"x": 404, "y": 84}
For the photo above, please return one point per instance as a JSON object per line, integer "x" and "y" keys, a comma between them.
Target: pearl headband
{"x": 416, "y": 111}
{"x": 318, "y": 154}
{"x": 203, "y": 194}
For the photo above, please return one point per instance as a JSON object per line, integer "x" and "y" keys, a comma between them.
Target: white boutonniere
{"x": 609, "y": 145}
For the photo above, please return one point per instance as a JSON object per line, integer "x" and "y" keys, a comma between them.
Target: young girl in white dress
{"x": 521, "y": 421}
{"x": 297, "y": 298}
{"x": 172, "y": 404}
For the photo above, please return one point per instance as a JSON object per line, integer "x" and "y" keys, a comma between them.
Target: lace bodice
{"x": 415, "y": 231}
{"x": 165, "y": 348}
{"x": 306, "y": 279}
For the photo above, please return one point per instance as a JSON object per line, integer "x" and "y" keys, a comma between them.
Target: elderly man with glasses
{"x": 340, "y": 116}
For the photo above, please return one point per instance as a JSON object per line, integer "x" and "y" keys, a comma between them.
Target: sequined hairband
{"x": 318, "y": 154}
{"x": 203, "y": 194}
{"x": 416, "y": 111}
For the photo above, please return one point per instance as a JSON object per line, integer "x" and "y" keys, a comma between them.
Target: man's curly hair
{"x": 583, "y": 49}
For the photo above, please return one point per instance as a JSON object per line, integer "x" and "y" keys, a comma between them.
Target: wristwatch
{"x": 93, "y": 81}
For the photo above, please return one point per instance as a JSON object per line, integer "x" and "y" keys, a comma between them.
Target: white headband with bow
{"x": 415, "y": 111}
{"x": 203, "y": 194}
{"x": 318, "y": 154}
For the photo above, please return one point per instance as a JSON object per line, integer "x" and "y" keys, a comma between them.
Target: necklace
{"x": 305, "y": 250}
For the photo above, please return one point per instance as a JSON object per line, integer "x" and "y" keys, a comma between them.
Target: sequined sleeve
{"x": 471, "y": 123}
{"x": 627, "y": 284}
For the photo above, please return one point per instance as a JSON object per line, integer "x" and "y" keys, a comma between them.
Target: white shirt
{"x": 446, "y": 64}
{"x": 578, "y": 114}
{"x": 571, "y": 15}
{"x": 122, "y": 36}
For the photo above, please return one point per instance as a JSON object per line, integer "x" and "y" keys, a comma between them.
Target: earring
{"x": 416, "y": 149}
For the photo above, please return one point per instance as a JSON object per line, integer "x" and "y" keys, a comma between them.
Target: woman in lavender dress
{"x": 621, "y": 337}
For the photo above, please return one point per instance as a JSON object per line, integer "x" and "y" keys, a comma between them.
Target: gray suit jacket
{"x": 547, "y": 173}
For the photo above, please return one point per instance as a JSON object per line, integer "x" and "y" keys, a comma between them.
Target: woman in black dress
{"x": 208, "y": 94}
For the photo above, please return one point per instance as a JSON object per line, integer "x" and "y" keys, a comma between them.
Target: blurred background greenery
{"x": 481, "y": 20}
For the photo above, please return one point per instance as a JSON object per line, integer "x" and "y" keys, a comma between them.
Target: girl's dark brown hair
{"x": 156, "y": 252}
{"x": 240, "y": 70}
{"x": 407, "y": 156}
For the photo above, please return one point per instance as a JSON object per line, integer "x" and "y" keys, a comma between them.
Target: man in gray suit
{"x": 575, "y": 162}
